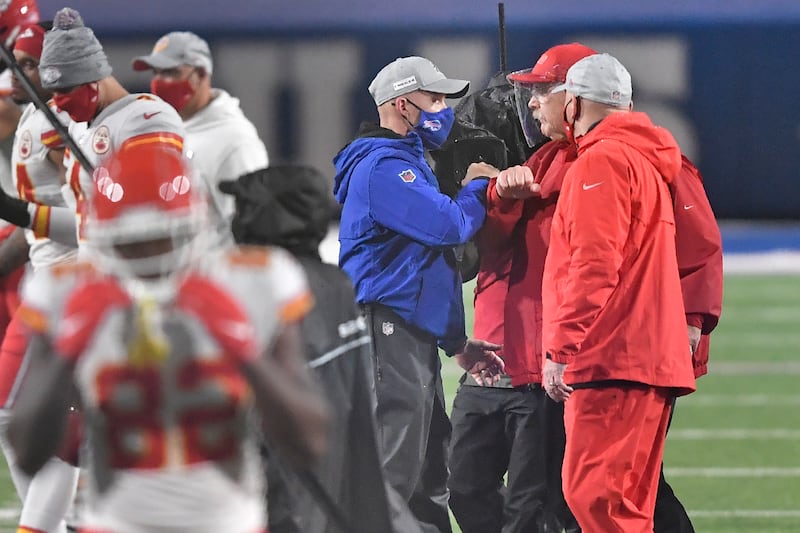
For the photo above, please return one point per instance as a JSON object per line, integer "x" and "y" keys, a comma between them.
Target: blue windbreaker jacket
{"x": 397, "y": 231}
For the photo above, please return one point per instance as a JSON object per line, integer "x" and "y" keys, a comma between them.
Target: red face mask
{"x": 80, "y": 103}
{"x": 175, "y": 93}
{"x": 570, "y": 128}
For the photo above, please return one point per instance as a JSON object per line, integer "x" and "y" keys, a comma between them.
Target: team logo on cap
{"x": 407, "y": 175}
{"x": 404, "y": 83}
{"x": 161, "y": 45}
{"x": 50, "y": 75}
{"x": 25, "y": 144}
{"x": 615, "y": 95}
{"x": 432, "y": 125}
{"x": 101, "y": 140}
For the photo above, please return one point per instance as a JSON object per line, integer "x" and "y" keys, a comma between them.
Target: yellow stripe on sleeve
{"x": 34, "y": 319}
{"x": 41, "y": 222}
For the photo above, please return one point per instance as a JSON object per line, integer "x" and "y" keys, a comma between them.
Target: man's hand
{"x": 480, "y": 360}
{"x": 517, "y": 182}
{"x": 694, "y": 337}
{"x": 476, "y": 170}
{"x": 553, "y": 381}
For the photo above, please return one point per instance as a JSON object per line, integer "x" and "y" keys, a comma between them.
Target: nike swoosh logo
{"x": 687, "y": 207}
{"x": 148, "y": 116}
{"x": 592, "y": 186}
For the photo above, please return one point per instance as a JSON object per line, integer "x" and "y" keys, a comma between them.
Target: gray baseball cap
{"x": 409, "y": 74}
{"x": 175, "y": 49}
{"x": 599, "y": 78}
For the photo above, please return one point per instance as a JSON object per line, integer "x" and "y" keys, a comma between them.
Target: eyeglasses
{"x": 540, "y": 90}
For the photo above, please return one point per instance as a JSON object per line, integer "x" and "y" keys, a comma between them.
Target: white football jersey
{"x": 135, "y": 118}
{"x": 37, "y": 179}
{"x": 167, "y": 408}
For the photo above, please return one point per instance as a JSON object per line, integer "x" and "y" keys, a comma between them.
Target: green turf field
{"x": 733, "y": 454}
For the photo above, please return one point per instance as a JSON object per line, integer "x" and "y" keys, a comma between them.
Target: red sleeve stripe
{"x": 51, "y": 139}
{"x": 41, "y": 221}
{"x": 158, "y": 137}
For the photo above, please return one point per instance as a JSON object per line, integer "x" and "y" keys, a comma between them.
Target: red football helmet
{"x": 14, "y": 14}
{"x": 147, "y": 213}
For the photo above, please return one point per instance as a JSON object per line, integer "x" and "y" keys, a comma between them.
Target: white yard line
{"x": 754, "y": 368}
{"x": 745, "y": 513}
{"x": 738, "y": 400}
{"x": 724, "y": 472}
{"x": 733, "y": 434}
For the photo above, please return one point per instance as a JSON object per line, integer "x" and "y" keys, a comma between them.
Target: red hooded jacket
{"x": 612, "y": 303}
{"x": 513, "y": 244}
{"x": 699, "y": 248}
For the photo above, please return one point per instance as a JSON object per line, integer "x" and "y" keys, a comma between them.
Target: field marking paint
{"x": 739, "y": 400}
{"x": 733, "y": 434}
{"x": 745, "y": 513}
{"x": 725, "y": 472}
{"x": 9, "y": 513}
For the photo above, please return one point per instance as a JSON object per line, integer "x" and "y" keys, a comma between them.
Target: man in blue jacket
{"x": 397, "y": 235}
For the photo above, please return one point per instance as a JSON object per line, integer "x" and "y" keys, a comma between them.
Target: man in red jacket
{"x": 518, "y": 220}
{"x": 613, "y": 318}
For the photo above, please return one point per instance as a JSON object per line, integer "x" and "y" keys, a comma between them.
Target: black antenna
{"x": 501, "y": 14}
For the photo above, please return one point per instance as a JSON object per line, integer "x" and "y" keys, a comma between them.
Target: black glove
{"x": 14, "y": 210}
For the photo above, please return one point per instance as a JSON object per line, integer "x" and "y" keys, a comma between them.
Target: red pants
{"x": 9, "y": 302}
{"x": 12, "y": 355}
{"x": 615, "y": 443}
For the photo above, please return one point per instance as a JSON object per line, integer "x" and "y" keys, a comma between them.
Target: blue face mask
{"x": 434, "y": 127}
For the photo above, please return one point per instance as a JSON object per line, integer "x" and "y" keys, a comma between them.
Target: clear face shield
{"x": 523, "y": 93}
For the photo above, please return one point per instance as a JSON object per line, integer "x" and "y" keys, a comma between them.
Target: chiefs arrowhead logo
{"x": 25, "y": 144}
{"x": 101, "y": 140}
{"x": 407, "y": 175}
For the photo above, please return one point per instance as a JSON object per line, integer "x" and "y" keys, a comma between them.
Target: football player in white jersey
{"x": 171, "y": 344}
{"x": 221, "y": 142}
{"x": 105, "y": 116}
{"x": 38, "y": 175}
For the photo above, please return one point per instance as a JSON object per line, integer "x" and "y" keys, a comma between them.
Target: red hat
{"x": 17, "y": 13}
{"x": 30, "y": 40}
{"x": 553, "y": 65}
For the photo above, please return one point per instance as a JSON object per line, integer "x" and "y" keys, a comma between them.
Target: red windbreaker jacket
{"x": 612, "y": 302}
{"x": 699, "y": 249}
{"x": 514, "y": 241}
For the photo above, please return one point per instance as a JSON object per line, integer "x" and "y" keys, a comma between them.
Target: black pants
{"x": 413, "y": 428}
{"x": 670, "y": 515}
{"x": 496, "y": 431}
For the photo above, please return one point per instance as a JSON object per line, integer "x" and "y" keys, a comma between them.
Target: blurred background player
{"x": 38, "y": 175}
{"x": 105, "y": 116}
{"x": 171, "y": 346}
{"x": 221, "y": 142}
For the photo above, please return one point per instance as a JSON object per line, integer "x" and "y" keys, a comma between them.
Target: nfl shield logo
{"x": 387, "y": 328}
{"x": 407, "y": 175}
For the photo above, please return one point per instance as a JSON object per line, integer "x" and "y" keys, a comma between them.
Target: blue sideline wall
{"x": 721, "y": 75}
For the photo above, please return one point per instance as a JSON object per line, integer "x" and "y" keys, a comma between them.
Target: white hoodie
{"x": 223, "y": 144}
